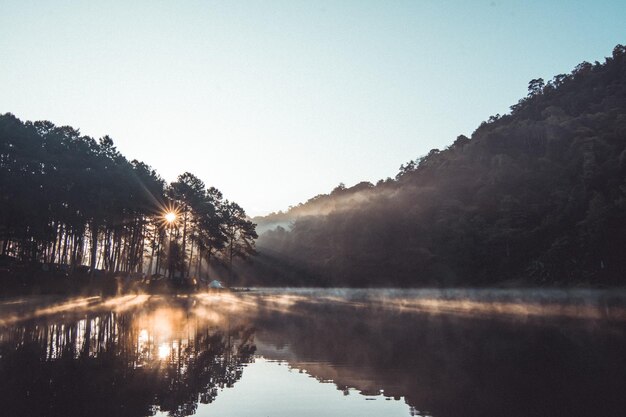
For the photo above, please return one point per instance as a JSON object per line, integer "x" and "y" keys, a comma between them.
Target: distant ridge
{"x": 534, "y": 197}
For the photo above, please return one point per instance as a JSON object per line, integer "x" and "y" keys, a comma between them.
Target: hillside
{"x": 534, "y": 197}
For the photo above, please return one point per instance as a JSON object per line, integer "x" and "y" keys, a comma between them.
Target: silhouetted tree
{"x": 69, "y": 199}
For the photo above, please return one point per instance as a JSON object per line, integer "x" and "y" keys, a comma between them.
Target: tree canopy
{"x": 66, "y": 198}
{"x": 534, "y": 197}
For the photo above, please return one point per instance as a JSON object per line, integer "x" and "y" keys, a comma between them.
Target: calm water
{"x": 316, "y": 353}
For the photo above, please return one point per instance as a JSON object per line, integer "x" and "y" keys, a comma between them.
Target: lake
{"x": 309, "y": 352}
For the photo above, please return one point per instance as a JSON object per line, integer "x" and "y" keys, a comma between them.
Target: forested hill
{"x": 537, "y": 196}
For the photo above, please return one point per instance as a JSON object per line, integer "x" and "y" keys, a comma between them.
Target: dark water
{"x": 316, "y": 353}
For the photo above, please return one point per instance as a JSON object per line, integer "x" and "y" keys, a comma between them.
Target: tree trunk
{"x": 184, "y": 247}
{"x": 190, "y": 259}
{"x": 94, "y": 247}
{"x": 230, "y": 262}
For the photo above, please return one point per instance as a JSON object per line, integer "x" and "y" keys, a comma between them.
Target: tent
{"x": 215, "y": 284}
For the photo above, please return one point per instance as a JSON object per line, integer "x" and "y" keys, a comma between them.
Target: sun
{"x": 164, "y": 351}
{"x": 170, "y": 217}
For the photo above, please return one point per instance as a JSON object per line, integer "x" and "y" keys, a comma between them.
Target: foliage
{"x": 66, "y": 198}
{"x": 537, "y": 196}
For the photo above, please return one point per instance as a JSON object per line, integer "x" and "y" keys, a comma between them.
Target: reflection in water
{"x": 470, "y": 353}
{"x": 130, "y": 363}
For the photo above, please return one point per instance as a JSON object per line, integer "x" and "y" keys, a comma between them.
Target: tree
{"x": 535, "y": 87}
{"x": 240, "y": 234}
{"x": 67, "y": 198}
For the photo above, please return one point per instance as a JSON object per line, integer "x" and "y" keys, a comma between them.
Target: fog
{"x": 214, "y": 306}
{"x": 491, "y": 350}
{"x": 532, "y": 198}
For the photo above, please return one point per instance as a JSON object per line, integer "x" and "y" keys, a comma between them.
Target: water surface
{"x": 316, "y": 352}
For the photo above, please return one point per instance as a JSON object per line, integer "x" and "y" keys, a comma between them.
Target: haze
{"x": 275, "y": 102}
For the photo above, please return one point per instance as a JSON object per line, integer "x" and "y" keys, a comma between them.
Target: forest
{"x": 534, "y": 197}
{"x": 72, "y": 205}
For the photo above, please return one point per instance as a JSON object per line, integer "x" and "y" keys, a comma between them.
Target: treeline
{"x": 68, "y": 199}
{"x": 537, "y": 196}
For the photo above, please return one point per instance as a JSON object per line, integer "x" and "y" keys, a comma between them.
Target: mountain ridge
{"x": 537, "y": 195}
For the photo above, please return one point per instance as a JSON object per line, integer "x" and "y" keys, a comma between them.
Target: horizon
{"x": 298, "y": 97}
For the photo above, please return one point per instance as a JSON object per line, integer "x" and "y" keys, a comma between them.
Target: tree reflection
{"x": 448, "y": 365}
{"x": 128, "y": 364}
{"x": 128, "y": 357}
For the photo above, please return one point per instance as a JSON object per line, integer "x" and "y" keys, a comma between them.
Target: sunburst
{"x": 169, "y": 216}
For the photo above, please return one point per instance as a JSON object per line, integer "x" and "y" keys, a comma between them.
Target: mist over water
{"x": 317, "y": 352}
{"x": 530, "y": 198}
{"x": 474, "y": 265}
{"x": 491, "y": 303}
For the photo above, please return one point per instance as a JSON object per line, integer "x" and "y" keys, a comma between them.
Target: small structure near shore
{"x": 216, "y": 285}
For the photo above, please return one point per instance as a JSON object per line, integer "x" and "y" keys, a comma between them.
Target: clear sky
{"x": 274, "y": 102}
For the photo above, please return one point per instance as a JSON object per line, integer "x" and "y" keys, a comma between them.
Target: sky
{"x": 274, "y": 102}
